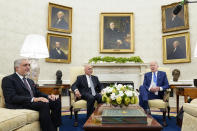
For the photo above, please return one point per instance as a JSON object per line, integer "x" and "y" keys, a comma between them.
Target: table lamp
{"x": 34, "y": 48}
{"x": 195, "y": 55}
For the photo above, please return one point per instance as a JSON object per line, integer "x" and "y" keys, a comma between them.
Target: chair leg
{"x": 76, "y": 117}
{"x": 169, "y": 112}
{"x": 164, "y": 118}
{"x": 71, "y": 112}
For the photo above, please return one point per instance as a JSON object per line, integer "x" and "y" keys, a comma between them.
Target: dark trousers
{"x": 49, "y": 114}
{"x": 146, "y": 95}
{"x": 90, "y": 102}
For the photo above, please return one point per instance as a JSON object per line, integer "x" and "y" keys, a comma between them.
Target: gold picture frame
{"x": 116, "y": 33}
{"x": 176, "y": 48}
{"x": 59, "y": 47}
{"x": 171, "y": 22}
{"x": 59, "y": 18}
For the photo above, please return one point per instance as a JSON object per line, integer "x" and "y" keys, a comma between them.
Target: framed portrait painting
{"x": 60, "y": 18}
{"x": 116, "y": 33}
{"x": 172, "y": 22}
{"x": 176, "y": 48}
{"x": 59, "y": 48}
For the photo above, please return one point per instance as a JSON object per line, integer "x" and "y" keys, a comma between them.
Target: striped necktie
{"x": 92, "y": 87}
{"x": 27, "y": 86}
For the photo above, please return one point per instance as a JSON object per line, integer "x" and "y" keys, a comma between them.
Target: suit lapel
{"x": 93, "y": 80}
{"x": 85, "y": 80}
{"x": 158, "y": 77}
{"x": 20, "y": 81}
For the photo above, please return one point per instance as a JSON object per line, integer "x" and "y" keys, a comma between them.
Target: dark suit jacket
{"x": 55, "y": 55}
{"x": 162, "y": 81}
{"x": 82, "y": 85}
{"x": 62, "y": 24}
{"x": 179, "y": 53}
{"x": 15, "y": 93}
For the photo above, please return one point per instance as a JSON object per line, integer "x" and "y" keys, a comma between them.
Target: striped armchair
{"x": 76, "y": 105}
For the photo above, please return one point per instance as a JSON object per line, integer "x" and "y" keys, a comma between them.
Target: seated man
{"x": 155, "y": 82}
{"x": 88, "y": 87}
{"x": 21, "y": 93}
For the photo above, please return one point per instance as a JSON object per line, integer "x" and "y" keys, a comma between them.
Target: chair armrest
{"x": 166, "y": 95}
{"x": 72, "y": 97}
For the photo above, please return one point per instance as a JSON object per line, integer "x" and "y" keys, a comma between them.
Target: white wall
{"x": 22, "y": 17}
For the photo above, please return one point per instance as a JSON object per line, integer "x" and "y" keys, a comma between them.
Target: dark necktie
{"x": 27, "y": 86}
{"x": 92, "y": 87}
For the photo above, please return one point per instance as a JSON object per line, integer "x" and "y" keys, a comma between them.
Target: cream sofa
{"x": 190, "y": 116}
{"x": 17, "y": 119}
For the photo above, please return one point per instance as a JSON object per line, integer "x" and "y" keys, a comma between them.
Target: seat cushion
{"x": 12, "y": 119}
{"x": 157, "y": 103}
{"x": 82, "y": 104}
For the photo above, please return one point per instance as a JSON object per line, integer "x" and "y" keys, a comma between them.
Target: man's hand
{"x": 77, "y": 94}
{"x": 154, "y": 89}
{"x": 42, "y": 99}
{"x": 53, "y": 97}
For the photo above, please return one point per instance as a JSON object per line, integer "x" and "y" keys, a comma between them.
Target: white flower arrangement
{"x": 119, "y": 94}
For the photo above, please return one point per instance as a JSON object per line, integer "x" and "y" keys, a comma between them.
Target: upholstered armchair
{"x": 76, "y": 105}
{"x": 190, "y": 116}
{"x": 163, "y": 105}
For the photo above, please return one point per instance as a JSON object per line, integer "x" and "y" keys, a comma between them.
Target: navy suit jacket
{"x": 162, "y": 81}
{"x": 82, "y": 85}
{"x": 15, "y": 93}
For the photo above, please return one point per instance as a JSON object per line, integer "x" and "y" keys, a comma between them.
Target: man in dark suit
{"x": 57, "y": 53}
{"x": 60, "y": 21}
{"x": 21, "y": 93}
{"x": 112, "y": 37}
{"x": 88, "y": 87}
{"x": 176, "y": 52}
{"x": 154, "y": 85}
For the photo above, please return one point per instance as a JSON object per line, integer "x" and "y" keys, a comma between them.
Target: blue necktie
{"x": 154, "y": 78}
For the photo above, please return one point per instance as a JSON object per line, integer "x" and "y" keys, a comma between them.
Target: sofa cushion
{"x": 189, "y": 122}
{"x": 190, "y": 108}
{"x": 31, "y": 115}
{"x": 35, "y": 126}
{"x": 2, "y": 101}
{"x": 15, "y": 118}
{"x": 11, "y": 119}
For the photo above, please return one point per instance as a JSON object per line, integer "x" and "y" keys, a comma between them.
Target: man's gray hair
{"x": 17, "y": 63}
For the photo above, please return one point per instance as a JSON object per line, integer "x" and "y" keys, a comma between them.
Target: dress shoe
{"x": 147, "y": 111}
{"x": 164, "y": 124}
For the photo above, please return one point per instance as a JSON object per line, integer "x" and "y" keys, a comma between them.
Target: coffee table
{"x": 94, "y": 122}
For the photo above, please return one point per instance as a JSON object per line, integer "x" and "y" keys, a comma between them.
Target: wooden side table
{"x": 64, "y": 88}
{"x": 50, "y": 89}
{"x": 173, "y": 87}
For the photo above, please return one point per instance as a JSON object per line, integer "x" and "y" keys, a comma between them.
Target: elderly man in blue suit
{"x": 154, "y": 85}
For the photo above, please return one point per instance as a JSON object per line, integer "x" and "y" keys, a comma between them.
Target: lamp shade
{"x": 195, "y": 51}
{"x": 34, "y": 46}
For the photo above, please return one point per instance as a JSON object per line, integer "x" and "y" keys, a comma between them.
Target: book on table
{"x": 127, "y": 116}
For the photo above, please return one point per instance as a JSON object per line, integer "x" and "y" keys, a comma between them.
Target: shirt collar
{"x": 20, "y": 75}
{"x": 155, "y": 73}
